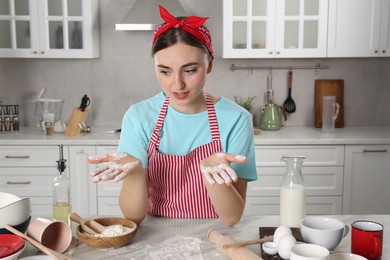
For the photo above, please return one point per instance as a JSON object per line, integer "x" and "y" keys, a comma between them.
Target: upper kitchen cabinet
{"x": 274, "y": 28}
{"x": 359, "y": 28}
{"x": 49, "y": 29}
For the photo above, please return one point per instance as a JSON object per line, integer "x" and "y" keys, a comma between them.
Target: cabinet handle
{"x": 383, "y": 51}
{"x": 17, "y": 157}
{"x": 18, "y": 182}
{"x": 376, "y": 51}
{"x": 375, "y": 151}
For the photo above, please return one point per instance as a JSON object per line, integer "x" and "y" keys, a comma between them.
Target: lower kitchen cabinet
{"x": 322, "y": 171}
{"x": 108, "y": 191}
{"x": 28, "y": 171}
{"x": 367, "y": 179}
{"x": 83, "y": 190}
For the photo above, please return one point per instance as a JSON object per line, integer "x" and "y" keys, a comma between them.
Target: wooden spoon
{"x": 88, "y": 225}
{"x": 249, "y": 242}
{"x": 50, "y": 252}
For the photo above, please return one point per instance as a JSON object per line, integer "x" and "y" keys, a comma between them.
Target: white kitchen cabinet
{"x": 359, "y": 28}
{"x": 49, "y": 29}
{"x": 28, "y": 172}
{"x": 108, "y": 191}
{"x": 367, "y": 179}
{"x": 274, "y": 28}
{"x": 83, "y": 190}
{"x": 322, "y": 171}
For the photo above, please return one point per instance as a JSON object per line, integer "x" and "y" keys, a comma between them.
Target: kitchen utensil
{"x": 329, "y": 88}
{"x": 109, "y": 242}
{"x": 85, "y": 101}
{"x": 111, "y": 131}
{"x": 88, "y": 225}
{"x": 249, "y": 242}
{"x": 270, "y": 91}
{"x": 289, "y": 104}
{"x": 78, "y": 117}
{"x": 53, "y": 254}
{"x": 234, "y": 253}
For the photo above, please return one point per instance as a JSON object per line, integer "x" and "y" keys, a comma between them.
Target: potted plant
{"x": 245, "y": 103}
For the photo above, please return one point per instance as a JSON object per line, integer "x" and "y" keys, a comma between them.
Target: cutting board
{"x": 331, "y": 87}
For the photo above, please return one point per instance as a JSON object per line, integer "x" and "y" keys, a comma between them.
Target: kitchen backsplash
{"x": 124, "y": 74}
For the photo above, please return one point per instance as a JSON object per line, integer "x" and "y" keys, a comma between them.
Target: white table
{"x": 162, "y": 238}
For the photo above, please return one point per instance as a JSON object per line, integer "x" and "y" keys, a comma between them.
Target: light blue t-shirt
{"x": 183, "y": 133}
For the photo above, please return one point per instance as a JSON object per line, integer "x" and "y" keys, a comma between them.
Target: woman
{"x": 182, "y": 153}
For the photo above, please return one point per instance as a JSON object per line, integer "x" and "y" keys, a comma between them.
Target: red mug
{"x": 367, "y": 239}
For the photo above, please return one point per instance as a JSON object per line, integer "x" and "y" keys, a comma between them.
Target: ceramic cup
{"x": 323, "y": 231}
{"x": 54, "y": 234}
{"x": 309, "y": 252}
{"x": 367, "y": 239}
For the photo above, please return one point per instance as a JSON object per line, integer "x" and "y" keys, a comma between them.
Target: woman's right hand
{"x": 115, "y": 166}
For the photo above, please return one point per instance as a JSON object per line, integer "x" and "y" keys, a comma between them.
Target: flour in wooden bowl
{"x": 114, "y": 230}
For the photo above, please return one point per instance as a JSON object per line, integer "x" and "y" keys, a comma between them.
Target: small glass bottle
{"x": 61, "y": 192}
{"x": 292, "y": 192}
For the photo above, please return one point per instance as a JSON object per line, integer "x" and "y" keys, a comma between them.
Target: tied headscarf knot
{"x": 191, "y": 24}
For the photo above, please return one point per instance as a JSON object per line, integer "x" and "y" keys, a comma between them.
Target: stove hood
{"x": 144, "y": 15}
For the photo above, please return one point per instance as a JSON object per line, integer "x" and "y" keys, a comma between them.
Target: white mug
{"x": 323, "y": 231}
{"x": 330, "y": 111}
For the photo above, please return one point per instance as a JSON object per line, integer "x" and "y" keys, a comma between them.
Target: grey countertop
{"x": 290, "y": 135}
{"x": 186, "y": 239}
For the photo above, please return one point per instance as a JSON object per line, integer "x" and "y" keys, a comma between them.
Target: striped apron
{"x": 175, "y": 182}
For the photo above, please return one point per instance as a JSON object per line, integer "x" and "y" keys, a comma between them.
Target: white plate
{"x": 15, "y": 255}
{"x": 35, "y": 257}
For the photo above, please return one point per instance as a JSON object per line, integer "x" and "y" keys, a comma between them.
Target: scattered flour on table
{"x": 114, "y": 230}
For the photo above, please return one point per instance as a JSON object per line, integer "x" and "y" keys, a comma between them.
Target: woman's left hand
{"x": 216, "y": 168}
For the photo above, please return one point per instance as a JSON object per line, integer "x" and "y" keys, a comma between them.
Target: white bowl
{"x": 7, "y": 198}
{"x": 15, "y": 213}
{"x": 346, "y": 256}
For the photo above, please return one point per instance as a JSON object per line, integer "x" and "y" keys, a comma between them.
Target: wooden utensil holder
{"x": 77, "y": 119}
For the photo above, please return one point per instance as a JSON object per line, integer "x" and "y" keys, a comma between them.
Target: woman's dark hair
{"x": 176, "y": 35}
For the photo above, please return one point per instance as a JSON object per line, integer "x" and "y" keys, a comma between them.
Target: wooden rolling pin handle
{"x": 96, "y": 226}
{"x": 85, "y": 224}
{"x": 240, "y": 253}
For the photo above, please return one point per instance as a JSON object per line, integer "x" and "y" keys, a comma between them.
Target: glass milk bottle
{"x": 61, "y": 192}
{"x": 292, "y": 192}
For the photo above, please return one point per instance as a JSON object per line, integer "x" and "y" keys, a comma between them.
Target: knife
{"x": 84, "y": 102}
{"x": 112, "y": 131}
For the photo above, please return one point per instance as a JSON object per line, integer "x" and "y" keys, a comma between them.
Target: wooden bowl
{"x": 109, "y": 242}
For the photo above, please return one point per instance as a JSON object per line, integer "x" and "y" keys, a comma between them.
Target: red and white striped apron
{"x": 175, "y": 182}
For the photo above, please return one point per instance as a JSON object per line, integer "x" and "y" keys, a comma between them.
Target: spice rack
{"x": 9, "y": 118}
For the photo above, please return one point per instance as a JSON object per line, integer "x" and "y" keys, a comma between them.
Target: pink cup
{"x": 54, "y": 234}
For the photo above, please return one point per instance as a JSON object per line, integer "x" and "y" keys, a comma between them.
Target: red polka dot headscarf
{"x": 191, "y": 24}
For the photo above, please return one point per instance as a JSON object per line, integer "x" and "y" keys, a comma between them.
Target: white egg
{"x": 285, "y": 245}
{"x": 281, "y": 231}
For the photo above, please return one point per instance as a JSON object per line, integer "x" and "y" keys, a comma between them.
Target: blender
{"x": 49, "y": 111}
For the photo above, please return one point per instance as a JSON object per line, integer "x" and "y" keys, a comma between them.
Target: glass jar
{"x": 292, "y": 192}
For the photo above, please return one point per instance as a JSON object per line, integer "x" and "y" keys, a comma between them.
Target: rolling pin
{"x": 240, "y": 253}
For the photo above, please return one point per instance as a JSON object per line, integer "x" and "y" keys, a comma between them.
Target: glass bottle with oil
{"x": 61, "y": 191}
